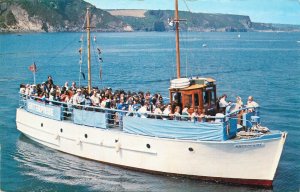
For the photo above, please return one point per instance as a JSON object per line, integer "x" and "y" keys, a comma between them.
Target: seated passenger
{"x": 238, "y": 106}
{"x": 158, "y": 110}
{"x": 95, "y": 99}
{"x": 177, "y": 113}
{"x": 223, "y": 103}
{"x": 251, "y": 103}
{"x": 66, "y": 86}
{"x": 22, "y": 89}
{"x": 144, "y": 110}
{"x": 78, "y": 98}
{"x": 168, "y": 110}
{"x": 121, "y": 105}
{"x": 73, "y": 86}
{"x": 185, "y": 110}
{"x": 65, "y": 97}
{"x": 196, "y": 116}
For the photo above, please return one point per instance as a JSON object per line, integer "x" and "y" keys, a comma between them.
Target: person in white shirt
{"x": 157, "y": 110}
{"x": 223, "y": 103}
{"x": 78, "y": 98}
{"x": 66, "y": 85}
{"x": 167, "y": 110}
{"x": 95, "y": 99}
{"x": 144, "y": 110}
{"x": 251, "y": 103}
{"x": 238, "y": 104}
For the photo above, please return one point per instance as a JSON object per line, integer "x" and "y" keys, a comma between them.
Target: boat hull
{"x": 242, "y": 162}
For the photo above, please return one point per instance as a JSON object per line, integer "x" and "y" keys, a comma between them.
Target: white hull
{"x": 245, "y": 162}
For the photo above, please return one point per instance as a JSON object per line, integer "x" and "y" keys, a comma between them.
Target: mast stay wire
{"x": 186, "y": 43}
{"x": 99, "y": 59}
{"x": 59, "y": 53}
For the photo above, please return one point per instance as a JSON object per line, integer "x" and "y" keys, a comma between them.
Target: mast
{"x": 88, "y": 30}
{"x": 177, "y": 39}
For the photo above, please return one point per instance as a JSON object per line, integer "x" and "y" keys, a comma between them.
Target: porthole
{"x": 148, "y": 146}
{"x": 61, "y": 130}
{"x": 191, "y": 149}
{"x": 42, "y": 125}
{"x": 86, "y": 136}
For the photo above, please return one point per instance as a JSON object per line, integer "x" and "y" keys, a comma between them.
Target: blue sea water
{"x": 265, "y": 65}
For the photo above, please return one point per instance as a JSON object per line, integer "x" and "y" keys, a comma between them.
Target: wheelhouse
{"x": 201, "y": 94}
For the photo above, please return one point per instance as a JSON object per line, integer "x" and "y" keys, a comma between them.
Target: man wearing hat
{"x": 78, "y": 98}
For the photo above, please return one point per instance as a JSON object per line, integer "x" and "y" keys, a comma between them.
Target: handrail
{"x": 239, "y": 110}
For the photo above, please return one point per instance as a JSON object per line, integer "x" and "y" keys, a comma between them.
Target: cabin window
{"x": 205, "y": 97}
{"x": 188, "y": 99}
{"x": 213, "y": 99}
{"x": 196, "y": 97}
{"x": 209, "y": 97}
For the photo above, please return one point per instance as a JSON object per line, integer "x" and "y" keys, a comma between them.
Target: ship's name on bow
{"x": 250, "y": 145}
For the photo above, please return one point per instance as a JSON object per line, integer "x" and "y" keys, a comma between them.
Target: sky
{"x": 265, "y": 11}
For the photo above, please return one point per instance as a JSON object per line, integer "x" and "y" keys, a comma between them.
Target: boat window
{"x": 188, "y": 99}
{"x": 213, "y": 99}
{"x": 196, "y": 96}
{"x": 205, "y": 97}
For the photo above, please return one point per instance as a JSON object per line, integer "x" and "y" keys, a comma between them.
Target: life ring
{"x": 180, "y": 83}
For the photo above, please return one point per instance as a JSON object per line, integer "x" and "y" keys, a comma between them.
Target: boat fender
{"x": 228, "y": 128}
{"x": 117, "y": 145}
{"x": 101, "y": 143}
{"x": 78, "y": 141}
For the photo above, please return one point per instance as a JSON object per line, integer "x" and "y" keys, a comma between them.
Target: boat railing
{"x": 244, "y": 109}
{"x": 114, "y": 117}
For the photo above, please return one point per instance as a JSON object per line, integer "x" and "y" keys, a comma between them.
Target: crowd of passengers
{"x": 143, "y": 103}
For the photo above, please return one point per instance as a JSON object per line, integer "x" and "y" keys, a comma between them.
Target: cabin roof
{"x": 195, "y": 86}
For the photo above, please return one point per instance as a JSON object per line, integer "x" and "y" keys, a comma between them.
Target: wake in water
{"x": 55, "y": 167}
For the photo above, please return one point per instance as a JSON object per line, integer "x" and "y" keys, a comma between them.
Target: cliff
{"x": 69, "y": 15}
{"x": 157, "y": 20}
{"x": 54, "y": 15}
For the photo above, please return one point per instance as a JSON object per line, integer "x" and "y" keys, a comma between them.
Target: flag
{"x": 83, "y": 75}
{"x": 32, "y": 68}
{"x": 99, "y": 51}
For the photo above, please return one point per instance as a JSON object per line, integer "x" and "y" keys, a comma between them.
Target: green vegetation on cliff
{"x": 60, "y": 15}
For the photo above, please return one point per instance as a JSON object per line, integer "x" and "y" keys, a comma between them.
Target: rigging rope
{"x": 59, "y": 53}
{"x": 99, "y": 59}
{"x": 81, "y": 58}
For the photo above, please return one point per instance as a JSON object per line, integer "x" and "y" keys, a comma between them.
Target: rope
{"x": 59, "y": 53}
{"x": 186, "y": 5}
{"x": 81, "y": 60}
{"x": 98, "y": 60}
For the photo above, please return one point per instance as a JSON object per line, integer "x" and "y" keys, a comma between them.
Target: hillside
{"x": 157, "y": 20}
{"x": 54, "y": 15}
{"x": 69, "y": 15}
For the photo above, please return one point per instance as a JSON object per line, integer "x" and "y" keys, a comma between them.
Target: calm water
{"x": 265, "y": 65}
